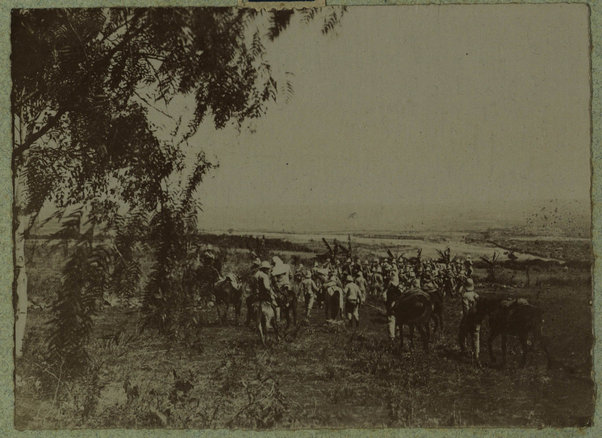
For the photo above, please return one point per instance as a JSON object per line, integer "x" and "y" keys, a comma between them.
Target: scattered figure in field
{"x": 308, "y": 290}
{"x": 353, "y": 298}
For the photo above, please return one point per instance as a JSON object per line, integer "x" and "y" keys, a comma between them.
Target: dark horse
{"x": 414, "y": 309}
{"x": 507, "y": 317}
{"x": 518, "y": 318}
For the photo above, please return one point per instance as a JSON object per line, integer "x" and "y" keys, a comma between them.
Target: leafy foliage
{"x": 85, "y": 280}
{"x": 85, "y": 81}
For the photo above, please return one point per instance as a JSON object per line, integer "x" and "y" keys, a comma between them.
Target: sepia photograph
{"x": 314, "y": 218}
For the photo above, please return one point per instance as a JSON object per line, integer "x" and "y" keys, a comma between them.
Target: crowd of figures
{"x": 413, "y": 290}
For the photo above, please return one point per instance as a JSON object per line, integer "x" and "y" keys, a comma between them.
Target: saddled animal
{"x": 228, "y": 292}
{"x": 519, "y": 318}
{"x": 414, "y": 309}
{"x": 264, "y": 318}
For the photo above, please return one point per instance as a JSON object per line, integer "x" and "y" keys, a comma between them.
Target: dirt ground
{"x": 321, "y": 375}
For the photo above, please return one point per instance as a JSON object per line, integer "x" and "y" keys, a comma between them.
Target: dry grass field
{"x": 320, "y": 375}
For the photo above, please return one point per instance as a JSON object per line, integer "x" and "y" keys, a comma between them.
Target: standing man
{"x": 263, "y": 287}
{"x": 353, "y": 298}
{"x": 469, "y": 301}
{"x": 308, "y": 290}
{"x": 392, "y": 295}
{"x": 363, "y": 285}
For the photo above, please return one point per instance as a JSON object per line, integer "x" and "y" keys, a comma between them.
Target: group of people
{"x": 341, "y": 287}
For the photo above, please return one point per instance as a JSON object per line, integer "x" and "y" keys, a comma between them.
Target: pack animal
{"x": 414, "y": 310}
{"x": 520, "y": 319}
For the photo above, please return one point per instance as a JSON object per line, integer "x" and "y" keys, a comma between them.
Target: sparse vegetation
{"x": 320, "y": 375}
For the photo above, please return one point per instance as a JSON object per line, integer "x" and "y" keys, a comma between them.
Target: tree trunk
{"x": 20, "y": 282}
{"x": 21, "y": 224}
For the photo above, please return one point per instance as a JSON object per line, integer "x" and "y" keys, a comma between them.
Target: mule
{"x": 520, "y": 319}
{"x": 414, "y": 309}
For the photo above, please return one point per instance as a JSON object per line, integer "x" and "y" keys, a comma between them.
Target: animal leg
{"x": 425, "y": 331}
{"x": 237, "y": 307}
{"x": 525, "y": 347}
{"x": 476, "y": 344}
{"x": 294, "y": 304}
{"x": 492, "y": 336}
{"x": 219, "y": 314}
{"x": 504, "y": 347}
{"x": 462, "y": 335}
{"x": 249, "y": 312}
{"x": 400, "y": 339}
{"x": 276, "y": 332}
{"x": 261, "y": 326}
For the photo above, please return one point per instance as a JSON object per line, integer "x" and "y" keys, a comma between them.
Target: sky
{"x": 411, "y": 105}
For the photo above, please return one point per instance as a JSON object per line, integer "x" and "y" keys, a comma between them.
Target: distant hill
{"x": 548, "y": 217}
{"x": 562, "y": 217}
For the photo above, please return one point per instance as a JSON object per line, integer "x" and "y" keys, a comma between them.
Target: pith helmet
{"x": 265, "y": 265}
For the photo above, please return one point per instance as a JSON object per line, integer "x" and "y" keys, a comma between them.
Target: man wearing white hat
{"x": 308, "y": 290}
{"x": 469, "y": 302}
{"x": 353, "y": 298}
{"x": 263, "y": 287}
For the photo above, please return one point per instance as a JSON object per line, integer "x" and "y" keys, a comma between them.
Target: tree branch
{"x": 51, "y": 123}
{"x": 35, "y": 136}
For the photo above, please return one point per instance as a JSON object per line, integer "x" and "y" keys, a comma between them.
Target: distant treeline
{"x": 221, "y": 240}
{"x": 251, "y": 242}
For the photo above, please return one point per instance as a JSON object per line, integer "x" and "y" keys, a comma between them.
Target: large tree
{"x": 84, "y": 83}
